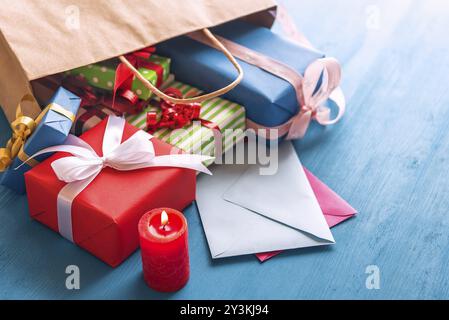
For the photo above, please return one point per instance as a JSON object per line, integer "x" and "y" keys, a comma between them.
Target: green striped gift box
{"x": 197, "y": 139}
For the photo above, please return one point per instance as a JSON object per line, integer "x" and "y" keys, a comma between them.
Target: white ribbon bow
{"x": 326, "y": 73}
{"x": 80, "y": 169}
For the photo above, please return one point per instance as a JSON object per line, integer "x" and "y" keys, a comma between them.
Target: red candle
{"x": 164, "y": 248}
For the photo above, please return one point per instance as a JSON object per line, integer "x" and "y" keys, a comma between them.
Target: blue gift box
{"x": 268, "y": 100}
{"x": 52, "y": 130}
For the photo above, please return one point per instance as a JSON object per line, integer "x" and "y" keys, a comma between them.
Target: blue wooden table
{"x": 389, "y": 157}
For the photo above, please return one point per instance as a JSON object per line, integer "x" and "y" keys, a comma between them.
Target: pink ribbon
{"x": 310, "y": 97}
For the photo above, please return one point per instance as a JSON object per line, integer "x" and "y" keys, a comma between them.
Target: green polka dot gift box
{"x": 195, "y": 138}
{"x": 102, "y": 75}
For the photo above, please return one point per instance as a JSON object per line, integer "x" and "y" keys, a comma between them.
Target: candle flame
{"x": 164, "y": 218}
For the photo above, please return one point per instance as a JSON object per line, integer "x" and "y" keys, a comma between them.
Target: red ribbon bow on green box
{"x": 176, "y": 116}
{"x": 124, "y": 76}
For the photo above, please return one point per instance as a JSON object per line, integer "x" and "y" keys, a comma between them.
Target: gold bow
{"x": 22, "y": 128}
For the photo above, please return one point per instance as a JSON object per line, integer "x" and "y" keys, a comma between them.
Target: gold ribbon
{"x": 22, "y": 128}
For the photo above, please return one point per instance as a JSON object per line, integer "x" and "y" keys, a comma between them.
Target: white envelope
{"x": 244, "y": 213}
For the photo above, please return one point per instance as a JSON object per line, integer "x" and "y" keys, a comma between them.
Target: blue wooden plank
{"x": 388, "y": 157}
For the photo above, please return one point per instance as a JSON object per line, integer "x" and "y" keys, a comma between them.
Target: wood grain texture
{"x": 389, "y": 157}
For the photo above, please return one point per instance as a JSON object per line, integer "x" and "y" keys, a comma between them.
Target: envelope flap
{"x": 233, "y": 230}
{"x": 285, "y": 197}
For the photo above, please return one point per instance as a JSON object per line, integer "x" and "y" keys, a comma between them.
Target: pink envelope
{"x": 335, "y": 209}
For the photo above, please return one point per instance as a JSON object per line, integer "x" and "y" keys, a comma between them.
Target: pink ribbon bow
{"x": 320, "y": 83}
{"x": 176, "y": 116}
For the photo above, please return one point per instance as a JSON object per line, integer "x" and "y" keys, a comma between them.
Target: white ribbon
{"x": 80, "y": 169}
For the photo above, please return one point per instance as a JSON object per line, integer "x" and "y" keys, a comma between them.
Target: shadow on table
{"x": 287, "y": 254}
{"x": 138, "y": 289}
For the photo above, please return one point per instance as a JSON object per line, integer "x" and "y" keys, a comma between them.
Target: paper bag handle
{"x": 217, "y": 44}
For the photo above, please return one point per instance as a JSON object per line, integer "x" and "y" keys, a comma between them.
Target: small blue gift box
{"x": 52, "y": 130}
{"x": 269, "y": 100}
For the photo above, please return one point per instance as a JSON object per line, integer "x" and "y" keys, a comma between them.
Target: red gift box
{"x": 105, "y": 215}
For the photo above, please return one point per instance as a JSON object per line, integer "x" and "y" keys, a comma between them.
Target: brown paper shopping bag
{"x": 43, "y": 37}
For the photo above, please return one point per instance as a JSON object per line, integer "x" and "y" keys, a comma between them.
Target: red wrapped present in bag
{"x": 95, "y": 191}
